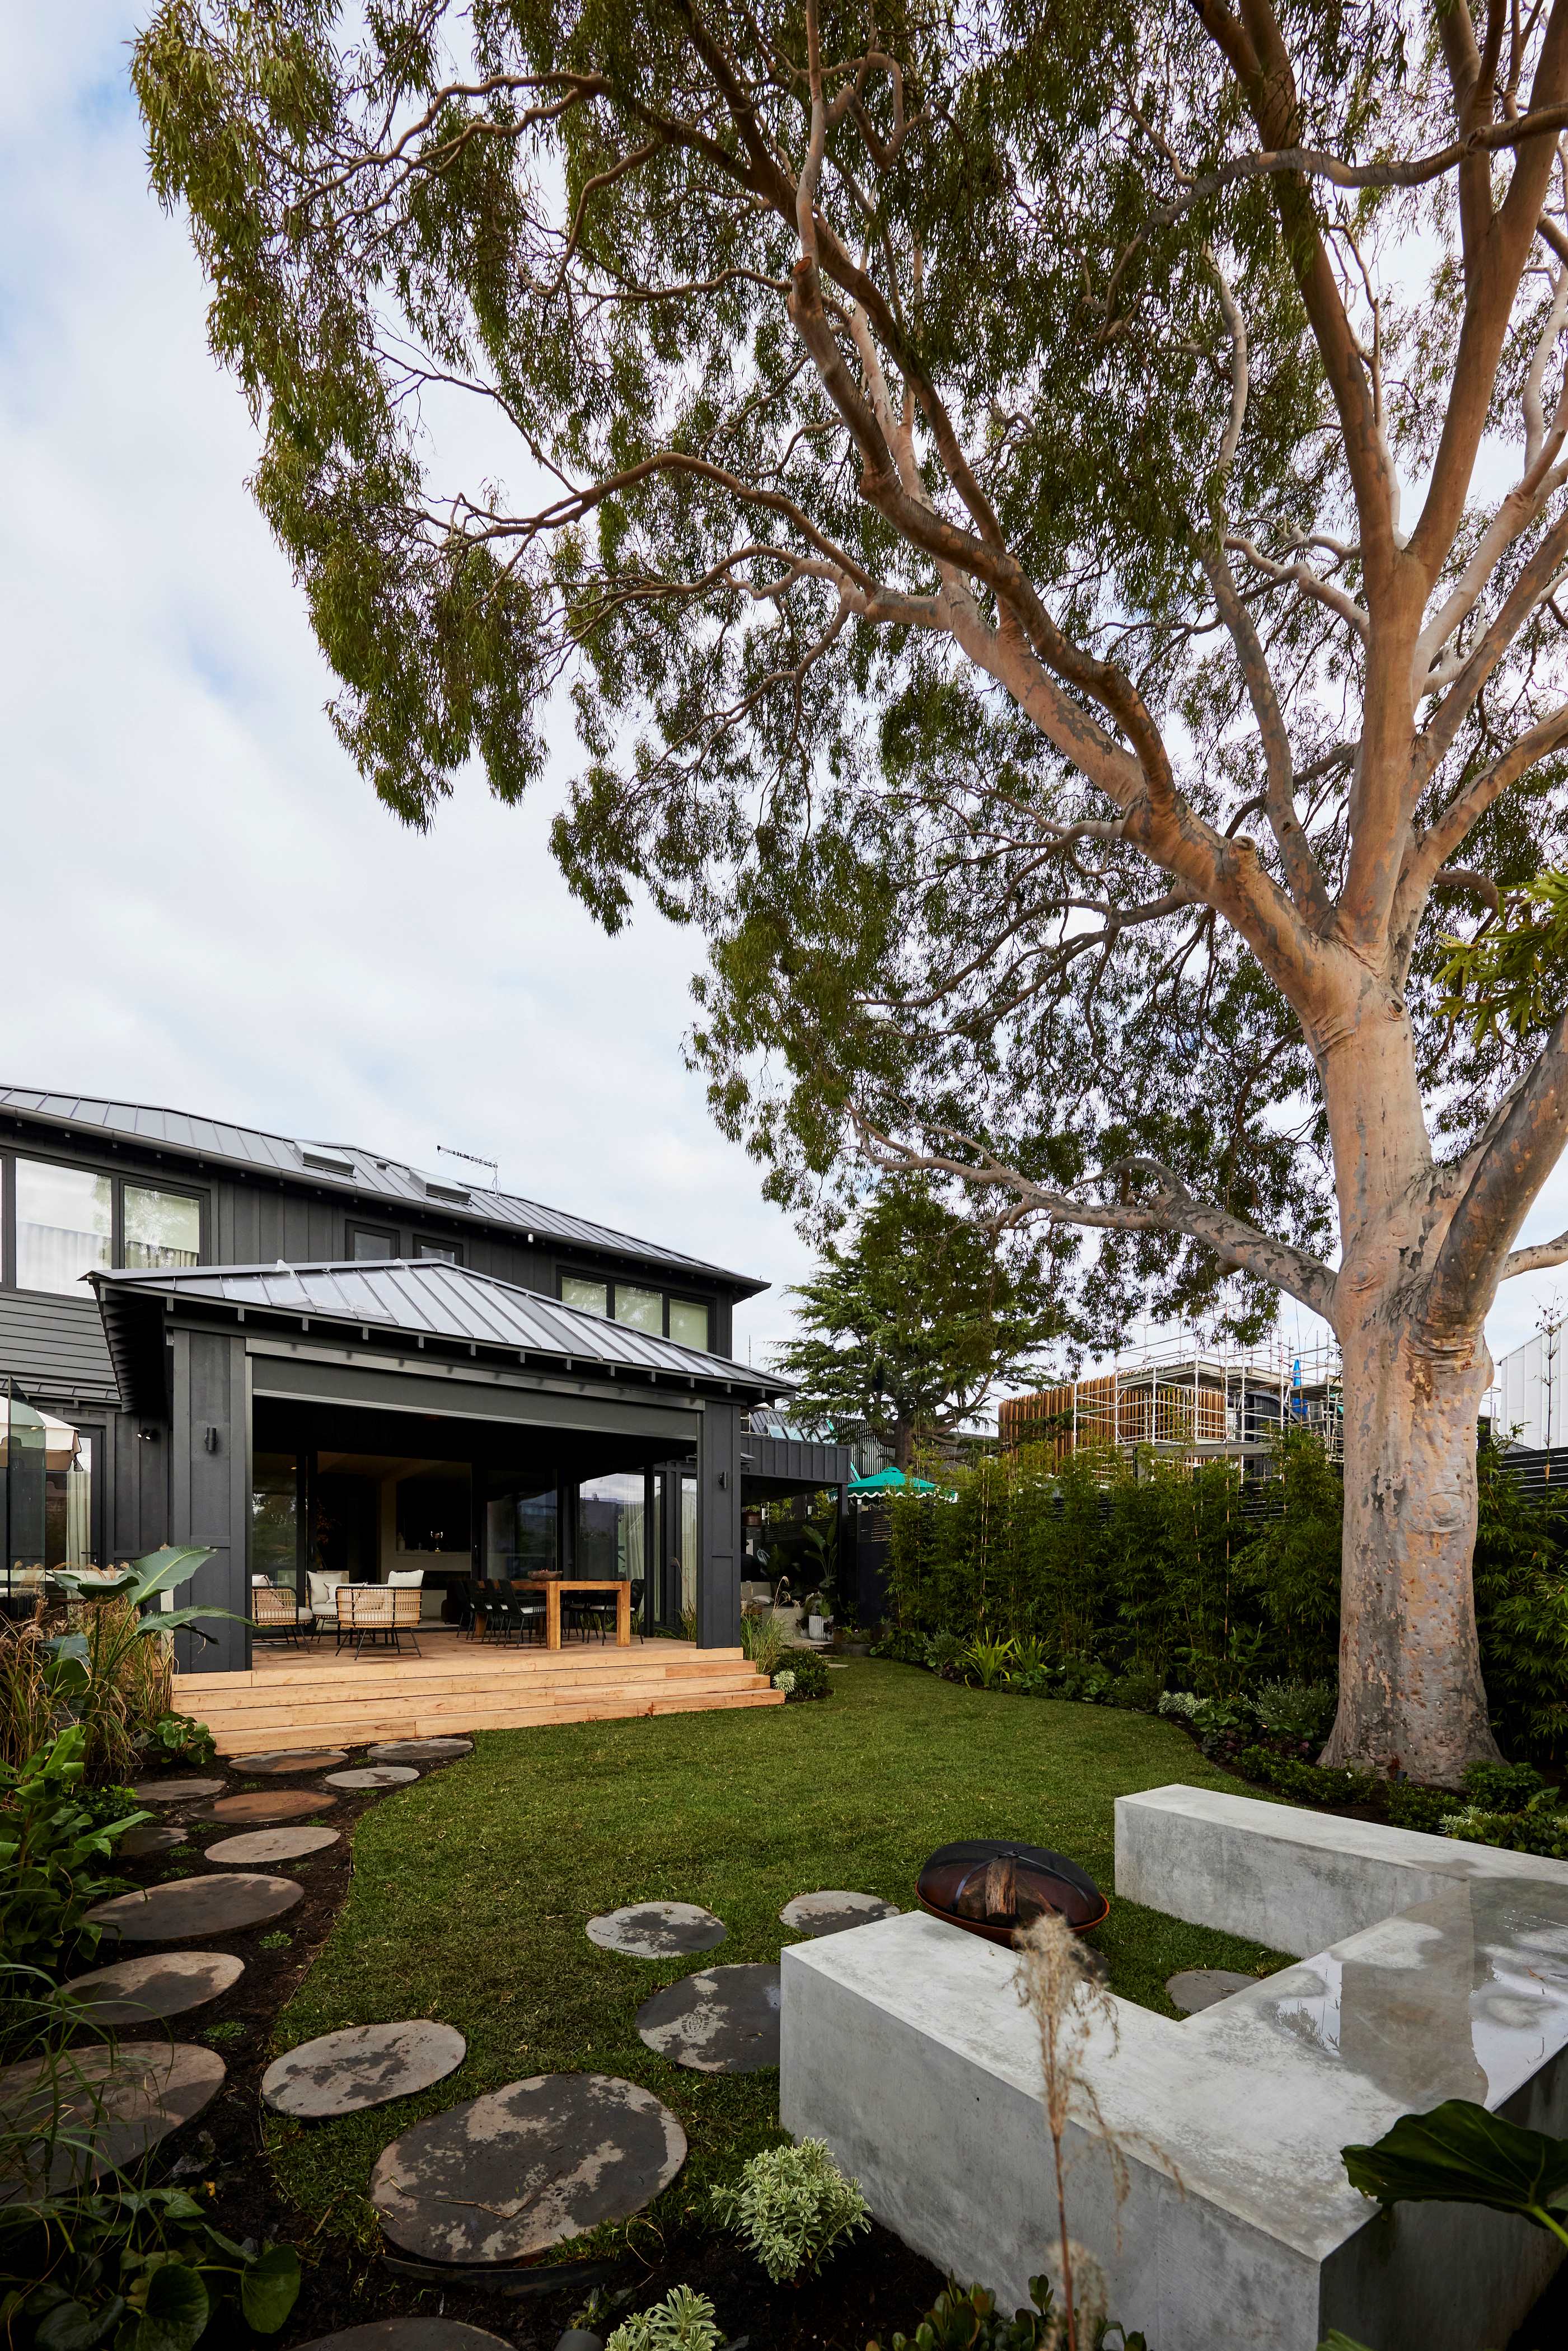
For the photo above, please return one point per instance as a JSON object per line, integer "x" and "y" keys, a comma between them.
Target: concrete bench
{"x": 904, "y": 2046}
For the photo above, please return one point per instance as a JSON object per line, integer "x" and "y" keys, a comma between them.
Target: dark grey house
{"x": 309, "y": 1356}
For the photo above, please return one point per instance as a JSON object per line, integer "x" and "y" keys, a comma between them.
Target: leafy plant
{"x": 989, "y": 1663}
{"x": 177, "y": 1739}
{"x": 1411, "y": 1806}
{"x": 53, "y": 1854}
{"x": 784, "y": 1680}
{"x": 1460, "y": 2154}
{"x": 141, "y": 2267}
{"x": 791, "y": 2207}
{"x": 1502, "y": 1787}
{"x": 812, "y": 1679}
{"x": 965, "y": 2318}
{"x": 1139, "y": 1689}
{"x": 1294, "y": 1709}
{"x": 763, "y": 1640}
{"x": 112, "y": 1670}
{"x": 681, "y": 2322}
{"x": 1306, "y": 1783}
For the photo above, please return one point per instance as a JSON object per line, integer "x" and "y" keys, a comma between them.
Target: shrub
{"x": 785, "y": 1681}
{"x": 1410, "y": 1806}
{"x": 792, "y": 2206}
{"x": 1295, "y": 1710}
{"x": 903, "y": 1647}
{"x": 1306, "y": 1783}
{"x": 943, "y": 1652}
{"x": 681, "y": 2322}
{"x": 176, "y": 1739}
{"x": 763, "y": 1640}
{"x": 1502, "y": 1787}
{"x": 1544, "y": 1833}
{"x": 986, "y": 1662}
{"x": 1086, "y": 1679}
{"x": 811, "y": 1676}
{"x": 965, "y": 2318}
{"x": 1139, "y": 1689}
{"x": 53, "y": 1854}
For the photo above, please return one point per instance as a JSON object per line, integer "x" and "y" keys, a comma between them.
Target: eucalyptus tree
{"x": 1048, "y": 519}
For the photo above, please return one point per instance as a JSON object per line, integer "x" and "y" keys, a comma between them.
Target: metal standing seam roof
{"x": 426, "y": 1298}
{"x": 345, "y": 1167}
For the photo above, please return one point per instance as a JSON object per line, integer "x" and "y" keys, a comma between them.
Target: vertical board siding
{"x": 209, "y": 1495}
{"x": 719, "y": 1542}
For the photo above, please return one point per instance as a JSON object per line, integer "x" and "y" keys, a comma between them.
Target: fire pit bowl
{"x": 989, "y": 1886}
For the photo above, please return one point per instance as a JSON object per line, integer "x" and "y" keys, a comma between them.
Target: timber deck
{"x": 318, "y": 1698}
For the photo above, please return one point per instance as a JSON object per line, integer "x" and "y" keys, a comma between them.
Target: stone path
{"x": 137, "y": 1843}
{"x": 719, "y": 2021}
{"x": 364, "y": 2065}
{"x": 1196, "y": 1989}
{"x": 374, "y": 1775}
{"x": 266, "y": 1804}
{"x": 187, "y": 1906}
{"x": 833, "y": 1913}
{"x": 418, "y": 1750}
{"x": 295, "y": 1758}
{"x": 525, "y": 2167}
{"x": 423, "y": 2334}
{"x": 270, "y": 1845}
{"x": 176, "y": 1791}
{"x": 102, "y": 2106}
{"x": 162, "y": 1983}
{"x": 657, "y": 1931}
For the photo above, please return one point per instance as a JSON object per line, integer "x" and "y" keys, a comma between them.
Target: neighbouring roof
{"x": 345, "y": 1167}
{"x": 418, "y": 1298}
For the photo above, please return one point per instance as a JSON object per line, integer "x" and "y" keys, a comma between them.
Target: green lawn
{"x": 471, "y": 1889}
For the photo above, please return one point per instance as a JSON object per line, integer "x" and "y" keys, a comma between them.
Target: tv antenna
{"x": 474, "y": 1161}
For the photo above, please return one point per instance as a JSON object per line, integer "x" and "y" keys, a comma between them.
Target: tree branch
{"x": 1535, "y": 1259}
{"x": 1518, "y": 1157}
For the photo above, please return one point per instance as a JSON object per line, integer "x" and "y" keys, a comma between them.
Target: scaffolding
{"x": 1183, "y": 1398}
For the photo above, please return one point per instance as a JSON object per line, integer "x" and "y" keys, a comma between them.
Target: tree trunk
{"x": 1410, "y": 1690}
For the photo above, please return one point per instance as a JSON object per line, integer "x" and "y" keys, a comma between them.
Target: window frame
{"x": 141, "y": 1180}
{"x": 610, "y": 1283}
{"x": 353, "y": 1226}
{"x": 437, "y": 1251}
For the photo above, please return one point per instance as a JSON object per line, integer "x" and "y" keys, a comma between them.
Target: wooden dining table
{"x": 552, "y": 1586}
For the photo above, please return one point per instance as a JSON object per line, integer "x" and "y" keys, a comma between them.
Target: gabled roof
{"x": 345, "y": 1167}
{"x": 418, "y": 1298}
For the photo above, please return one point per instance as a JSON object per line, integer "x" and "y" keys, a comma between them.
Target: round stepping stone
{"x": 834, "y": 1914}
{"x": 525, "y": 2167}
{"x": 1196, "y": 1989}
{"x": 101, "y": 2107}
{"x": 720, "y": 2021}
{"x": 188, "y": 1906}
{"x": 657, "y": 1931}
{"x": 419, "y": 1750}
{"x": 364, "y": 2065}
{"x": 293, "y": 1758}
{"x": 376, "y": 1775}
{"x": 176, "y": 1791}
{"x": 161, "y": 1984}
{"x": 423, "y": 2334}
{"x": 136, "y": 1843}
{"x": 266, "y": 1804}
{"x": 270, "y": 1845}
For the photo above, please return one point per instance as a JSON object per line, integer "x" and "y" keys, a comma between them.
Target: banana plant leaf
{"x": 1460, "y": 2154}
{"x": 144, "y": 1580}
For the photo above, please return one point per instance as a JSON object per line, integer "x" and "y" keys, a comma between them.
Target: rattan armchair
{"x": 277, "y": 1613}
{"x": 369, "y": 1613}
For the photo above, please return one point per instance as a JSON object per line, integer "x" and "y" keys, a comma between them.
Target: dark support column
{"x": 718, "y": 1528}
{"x": 209, "y": 1448}
{"x": 566, "y": 1526}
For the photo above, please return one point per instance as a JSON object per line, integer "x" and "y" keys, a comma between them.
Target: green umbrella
{"x": 888, "y": 1481}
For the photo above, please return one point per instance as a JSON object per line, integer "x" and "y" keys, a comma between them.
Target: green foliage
{"x": 684, "y": 2321}
{"x": 812, "y": 1677}
{"x": 1521, "y": 1611}
{"x": 143, "y": 2268}
{"x": 1460, "y": 2154}
{"x": 1510, "y": 973}
{"x": 965, "y": 2318}
{"x": 1544, "y": 1832}
{"x": 1294, "y": 1709}
{"x": 54, "y": 1851}
{"x": 111, "y": 1670}
{"x": 1502, "y": 1787}
{"x": 764, "y": 1640}
{"x": 1411, "y": 1806}
{"x": 988, "y": 1663}
{"x": 793, "y": 2205}
{"x": 908, "y": 1324}
{"x": 177, "y": 1739}
{"x": 1306, "y": 1783}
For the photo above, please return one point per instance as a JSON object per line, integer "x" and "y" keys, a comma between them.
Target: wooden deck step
{"x": 238, "y": 1744}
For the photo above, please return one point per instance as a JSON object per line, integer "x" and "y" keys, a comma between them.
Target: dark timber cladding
{"x": 205, "y": 1301}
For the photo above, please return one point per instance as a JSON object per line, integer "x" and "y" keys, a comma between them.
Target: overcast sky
{"x": 203, "y": 906}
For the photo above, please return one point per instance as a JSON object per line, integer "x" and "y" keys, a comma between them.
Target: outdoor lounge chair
{"x": 369, "y": 1613}
{"x": 277, "y": 1613}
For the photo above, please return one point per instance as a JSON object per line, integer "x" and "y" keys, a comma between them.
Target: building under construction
{"x": 1192, "y": 1402}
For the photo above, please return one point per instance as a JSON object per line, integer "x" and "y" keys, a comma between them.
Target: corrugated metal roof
{"x": 344, "y": 1166}
{"x": 423, "y": 1298}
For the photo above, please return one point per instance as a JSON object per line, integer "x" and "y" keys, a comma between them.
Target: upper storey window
{"x": 162, "y": 1228}
{"x": 686, "y": 1319}
{"x": 65, "y": 1225}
